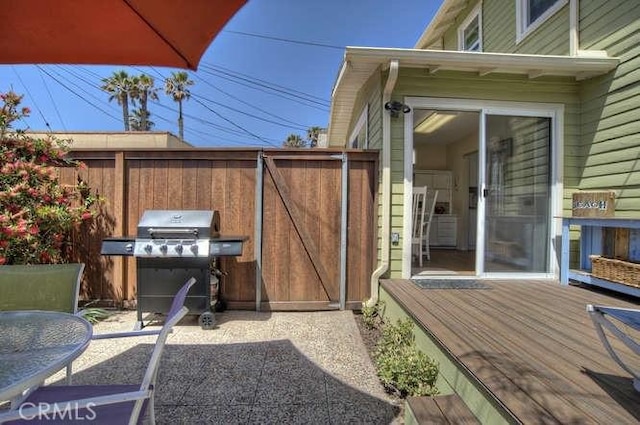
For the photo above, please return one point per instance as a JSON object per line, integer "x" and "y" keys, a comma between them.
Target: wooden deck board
{"x": 531, "y": 344}
{"x": 441, "y": 410}
{"x": 515, "y": 333}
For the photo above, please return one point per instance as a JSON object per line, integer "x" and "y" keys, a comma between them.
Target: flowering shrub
{"x": 37, "y": 212}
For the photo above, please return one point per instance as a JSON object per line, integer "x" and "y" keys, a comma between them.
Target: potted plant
{"x": 38, "y": 214}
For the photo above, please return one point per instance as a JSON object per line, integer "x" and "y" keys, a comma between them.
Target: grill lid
{"x": 168, "y": 224}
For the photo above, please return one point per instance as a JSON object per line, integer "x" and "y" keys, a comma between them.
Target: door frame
{"x": 555, "y": 111}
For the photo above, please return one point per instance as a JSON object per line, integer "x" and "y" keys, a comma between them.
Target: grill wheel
{"x": 207, "y": 320}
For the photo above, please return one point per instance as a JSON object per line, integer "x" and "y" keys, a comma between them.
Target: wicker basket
{"x": 619, "y": 271}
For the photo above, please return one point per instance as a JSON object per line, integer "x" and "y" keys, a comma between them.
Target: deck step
{"x": 443, "y": 409}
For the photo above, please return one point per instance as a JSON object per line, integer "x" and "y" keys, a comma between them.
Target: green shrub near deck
{"x": 401, "y": 367}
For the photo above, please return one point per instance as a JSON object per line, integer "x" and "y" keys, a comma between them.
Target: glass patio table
{"x": 36, "y": 344}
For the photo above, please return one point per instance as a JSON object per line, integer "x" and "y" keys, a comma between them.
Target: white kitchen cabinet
{"x": 443, "y": 230}
{"x": 439, "y": 180}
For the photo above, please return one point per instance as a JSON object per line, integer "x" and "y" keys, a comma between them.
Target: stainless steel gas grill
{"x": 172, "y": 246}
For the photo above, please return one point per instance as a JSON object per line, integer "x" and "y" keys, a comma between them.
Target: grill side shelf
{"x": 117, "y": 246}
{"x": 227, "y": 246}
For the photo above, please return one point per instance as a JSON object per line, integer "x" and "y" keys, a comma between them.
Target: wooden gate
{"x": 301, "y": 232}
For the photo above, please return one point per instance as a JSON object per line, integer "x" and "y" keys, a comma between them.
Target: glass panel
{"x": 537, "y": 7}
{"x": 517, "y": 203}
{"x": 472, "y": 36}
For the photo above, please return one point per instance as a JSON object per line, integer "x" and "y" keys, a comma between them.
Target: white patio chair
{"x": 432, "y": 198}
{"x": 103, "y": 404}
{"x": 417, "y": 220}
{"x": 602, "y": 319}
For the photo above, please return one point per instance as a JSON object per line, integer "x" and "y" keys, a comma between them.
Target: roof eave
{"x": 360, "y": 62}
{"x": 441, "y": 22}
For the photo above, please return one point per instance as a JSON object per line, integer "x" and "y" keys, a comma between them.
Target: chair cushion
{"x": 118, "y": 413}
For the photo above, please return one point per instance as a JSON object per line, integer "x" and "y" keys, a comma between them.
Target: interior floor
{"x": 451, "y": 262}
{"x": 446, "y": 262}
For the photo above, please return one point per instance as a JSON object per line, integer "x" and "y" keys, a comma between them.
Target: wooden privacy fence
{"x": 310, "y": 216}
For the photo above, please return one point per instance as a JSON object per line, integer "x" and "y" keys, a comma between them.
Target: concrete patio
{"x": 278, "y": 367}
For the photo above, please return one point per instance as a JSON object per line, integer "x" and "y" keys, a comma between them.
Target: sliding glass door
{"x": 517, "y": 194}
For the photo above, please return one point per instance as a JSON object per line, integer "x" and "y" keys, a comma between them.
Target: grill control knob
{"x": 163, "y": 248}
{"x": 178, "y": 249}
{"x": 148, "y": 248}
{"x": 194, "y": 249}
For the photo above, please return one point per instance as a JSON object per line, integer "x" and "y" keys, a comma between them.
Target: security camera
{"x": 394, "y": 107}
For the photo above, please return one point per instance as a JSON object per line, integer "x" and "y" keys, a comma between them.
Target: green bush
{"x": 402, "y": 368}
{"x": 372, "y": 314}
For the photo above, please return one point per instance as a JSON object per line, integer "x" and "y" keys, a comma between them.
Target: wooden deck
{"x": 532, "y": 345}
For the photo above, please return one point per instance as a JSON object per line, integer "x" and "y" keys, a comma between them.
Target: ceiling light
{"x": 434, "y": 121}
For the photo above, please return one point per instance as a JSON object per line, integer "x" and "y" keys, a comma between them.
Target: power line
{"x": 213, "y": 86}
{"x": 76, "y": 94}
{"x": 249, "y": 115}
{"x": 53, "y": 102}
{"x": 203, "y": 121}
{"x": 234, "y": 124}
{"x": 289, "y": 89}
{"x": 271, "y": 86}
{"x": 287, "y": 40}
{"x": 89, "y": 83}
{"x": 269, "y": 90}
{"x": 13, "y": 68}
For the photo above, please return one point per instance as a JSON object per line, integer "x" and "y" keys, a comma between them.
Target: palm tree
{"x": 142, "y": 89}
{"x": 294, "y": 141}
{"x": 177, "y": 87}
{"x": 312, "y": 136}
{"x": 139, "y": 120}
{"x": 119, "y": 87}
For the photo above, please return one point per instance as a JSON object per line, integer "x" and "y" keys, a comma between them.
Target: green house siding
{"x": 551, "y": 38}
{"x": 414, "y": 82}
{"x": 499, "y": 31}
{"x": 450, "y": 38}
{"x": 370, "y": 96}
{"x": 610, "y": 146}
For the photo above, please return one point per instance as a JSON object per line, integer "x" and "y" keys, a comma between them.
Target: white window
{"x": 532, "y": 13}
{"x": 470, "y": 32}
{"x": 359, "y": 137}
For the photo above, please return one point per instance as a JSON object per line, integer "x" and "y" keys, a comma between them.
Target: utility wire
{"x": 89, "y": 83}
{"x": 76, "y": 94}
{"x": 203, "y": 121}
{"x": 217, "y": 66}
{"x": 249, "y": 115}
{"x": 268, "y": 90}
{"x": 53, "y": 102}
{"x": 13, "y": 68}
{"x": 213, "y": 86}
{"x": 234, "y": 124}
{"x": 286, "y": 40}
{"x": 259, "y": 83}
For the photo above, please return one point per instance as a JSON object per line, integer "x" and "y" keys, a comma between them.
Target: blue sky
{"x": 250, "y": 90}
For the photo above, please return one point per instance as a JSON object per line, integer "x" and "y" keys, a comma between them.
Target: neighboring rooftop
{"x": 114, "y": 139}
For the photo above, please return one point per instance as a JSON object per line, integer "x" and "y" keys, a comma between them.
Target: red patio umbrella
{"x": 172, "y": 33}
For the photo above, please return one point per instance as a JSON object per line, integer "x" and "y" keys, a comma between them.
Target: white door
{"x": 516, "y": 194}
{"x": 519, "y": 186}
